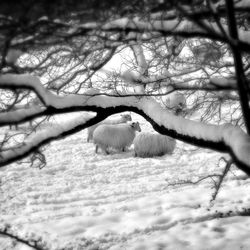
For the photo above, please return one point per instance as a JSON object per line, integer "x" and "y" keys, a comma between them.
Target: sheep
{"x": 122, "y": 119}
{"x": 116, "y": 136}
{"x": 152, "y": 144}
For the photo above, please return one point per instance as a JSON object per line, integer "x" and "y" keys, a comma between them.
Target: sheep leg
{"x": 96, "y": 149}
{"x": 90, "y": 136}
{"x": 106, "y": 151}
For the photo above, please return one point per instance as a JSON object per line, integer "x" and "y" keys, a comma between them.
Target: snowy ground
{"x": 81, "y": 200}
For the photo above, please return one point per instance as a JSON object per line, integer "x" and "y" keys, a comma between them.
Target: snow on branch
{"x": 163, "y": 77}
{"x": 223, "y": 82}
{"x": 224, "y": 138}
{"x": 140, "y": 58}
{"x": 14, "y": 81}
{"x": 134, "y": 78}
{"x": 184, "y": 28}
{"x": 12, "y": 56}
{"x": 24, "y": 114}
{"x": 243, "y": 4}
{"x": 34, "y": 141}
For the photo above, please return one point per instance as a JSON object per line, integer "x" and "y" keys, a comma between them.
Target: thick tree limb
{"x": 45, "y": 136}
{"x": 224, "y": 138}
{"x": 243, "y": 86}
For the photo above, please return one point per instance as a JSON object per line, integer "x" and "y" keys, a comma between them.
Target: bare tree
{"x": 55, "y": 52}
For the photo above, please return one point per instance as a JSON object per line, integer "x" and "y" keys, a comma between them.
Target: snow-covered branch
{"x": 13, "y": 81}
{"x": 223, "y": 82}
{"x": 225, "y": 138}
{"x": 24, "y": 114}
{"x": 185, "y": 28}
{"x": 140, "y": 58}
{"x": 34, "y": 141}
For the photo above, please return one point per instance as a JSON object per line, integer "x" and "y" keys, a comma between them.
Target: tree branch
{"x": 30, "y": 243}
{"x": 182, "y": 28}
{"x": 45, "y": 136}
{"x": 241, "y": 79}
{"x": 223, "y": 138}
{"x": 221, "y": 177}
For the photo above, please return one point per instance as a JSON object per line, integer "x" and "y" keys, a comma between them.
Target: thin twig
{"x": 221, "y": 177}
{"x": 217, "y": 182}
{"x": 31, "y": 243}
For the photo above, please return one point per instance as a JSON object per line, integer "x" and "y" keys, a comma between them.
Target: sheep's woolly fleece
{"x": 118, "y": 136}
{"x": 152, "y": 144}
{"x": 121, "y": 119}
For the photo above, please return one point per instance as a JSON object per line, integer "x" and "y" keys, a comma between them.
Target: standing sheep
{"x": 122, "y": 119}
{"x": 117, "y": 136}
{"x": 151, "y": 144}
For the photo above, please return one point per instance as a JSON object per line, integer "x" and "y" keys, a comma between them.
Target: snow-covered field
{"x": 81, "y": 200}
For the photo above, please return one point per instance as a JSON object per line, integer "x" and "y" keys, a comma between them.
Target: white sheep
{"x": 122, "y": 119}
{"x": 118, "y": 136}
{"x": 152, "y": 144}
